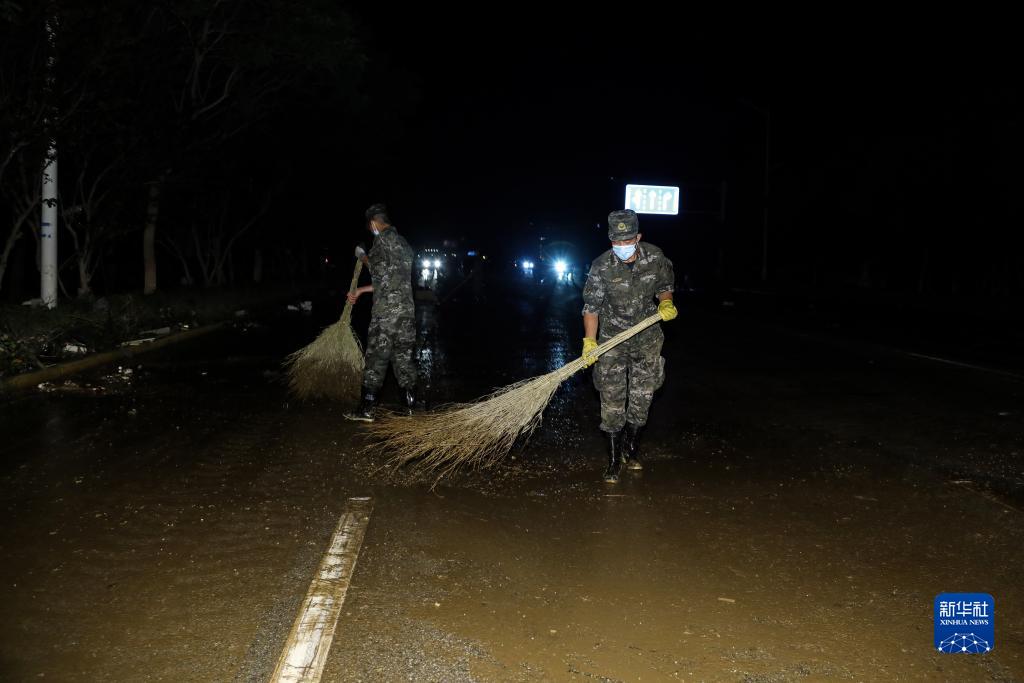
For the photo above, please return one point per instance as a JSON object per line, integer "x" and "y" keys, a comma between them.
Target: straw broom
{"x": 477, "y": 434}
{"x": 332, "y": 364}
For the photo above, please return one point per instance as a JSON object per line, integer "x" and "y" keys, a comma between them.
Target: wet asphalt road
{"x": 805, "y": 499}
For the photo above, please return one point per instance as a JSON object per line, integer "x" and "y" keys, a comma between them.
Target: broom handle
{"x": 579, "y": 364}
{"x": 346, "y": 314}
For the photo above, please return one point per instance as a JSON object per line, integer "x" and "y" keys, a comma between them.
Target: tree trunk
{"x": 186, "y": 278}
{"x": 84, "y": 276}
{"x": 17, "y": 230}
{"x": 216, "y": 267}
{"x": 149, "y": 237}
{"x": 257, "y": 266}
{"x": 12, "y": 239}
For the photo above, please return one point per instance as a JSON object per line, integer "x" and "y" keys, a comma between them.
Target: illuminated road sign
{"x": 658, "y": 199}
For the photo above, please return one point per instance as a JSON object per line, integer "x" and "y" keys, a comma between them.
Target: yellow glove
{"x": 667, "y": 310}
{"x": 588, "y": 346}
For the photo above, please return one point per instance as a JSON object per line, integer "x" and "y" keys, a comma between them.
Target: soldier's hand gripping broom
{"x": 331, "y": 366}
{"x": 478, "y": 434}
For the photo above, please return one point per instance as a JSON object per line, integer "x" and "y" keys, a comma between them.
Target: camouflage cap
{"x": 376, "y": 210}
{"x": 623, "y": 225}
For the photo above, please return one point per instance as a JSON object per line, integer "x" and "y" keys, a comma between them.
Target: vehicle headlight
{"x": 437, "y": 263}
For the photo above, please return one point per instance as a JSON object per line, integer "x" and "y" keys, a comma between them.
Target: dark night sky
{"x": 533, "y": 119}
{"x": 895, "y": 143}
{"x": 529, "y": 116}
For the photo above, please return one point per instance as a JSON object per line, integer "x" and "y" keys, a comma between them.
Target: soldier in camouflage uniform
{"x": 392, "y": 336}
{"x": 623, "y": 285}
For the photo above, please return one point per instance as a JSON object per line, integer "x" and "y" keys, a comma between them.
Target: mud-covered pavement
{"x": 804, "y": 501}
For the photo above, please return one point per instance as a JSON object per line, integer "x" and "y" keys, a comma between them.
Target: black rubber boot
{"x": 409, "y": 395}
{"x": 611, "y": 475}
{"x": 367, "y": 405}
{"x": 631, "y": 447}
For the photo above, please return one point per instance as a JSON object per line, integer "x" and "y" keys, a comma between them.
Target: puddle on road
{"x": 671, "y": 576}
{"x": 764, "y": 540}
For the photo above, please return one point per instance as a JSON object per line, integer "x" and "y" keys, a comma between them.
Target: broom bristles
{"x": 331, "y": 366}
{"x": 481, "y": 433}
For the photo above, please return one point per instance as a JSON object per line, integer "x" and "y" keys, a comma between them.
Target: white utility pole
{"x": 48, "y": 224}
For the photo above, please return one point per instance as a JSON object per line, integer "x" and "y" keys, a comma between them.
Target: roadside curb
{"x": 30, "y": 379}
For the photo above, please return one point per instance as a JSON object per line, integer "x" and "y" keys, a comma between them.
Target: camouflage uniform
{"x": 621, "y": 296}
{"x": 392, "y": 334}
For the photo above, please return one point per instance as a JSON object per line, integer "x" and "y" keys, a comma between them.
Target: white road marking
{"x": 960, "y": 364}
{"x": 971, "y": 486}
{"x": 820, "y": 337}
{"x": 305, "y": 651}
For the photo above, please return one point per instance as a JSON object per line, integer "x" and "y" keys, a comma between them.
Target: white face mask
{"x": 624, "y": 252}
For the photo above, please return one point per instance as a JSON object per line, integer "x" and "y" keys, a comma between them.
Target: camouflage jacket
{"x": 622, "y": 296}
{"x": 391, "y": 260}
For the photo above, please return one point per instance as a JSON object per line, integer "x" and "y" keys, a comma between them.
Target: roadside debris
{"x": 249, "y": 326}
{"x": 69, "y": 386}
{"x": 138, "y": 342}
{"x": 122, "y": 375}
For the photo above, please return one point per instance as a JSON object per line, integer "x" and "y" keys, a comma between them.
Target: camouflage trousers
{"x": 393, "y": 343}
{"x": 627, "y": 379}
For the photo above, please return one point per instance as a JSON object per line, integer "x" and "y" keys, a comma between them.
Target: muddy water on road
{"x": 689, "y": 572}
{"x": 168, "y": 528}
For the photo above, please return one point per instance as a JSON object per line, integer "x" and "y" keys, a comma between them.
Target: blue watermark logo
{"x": 965, "y": 623}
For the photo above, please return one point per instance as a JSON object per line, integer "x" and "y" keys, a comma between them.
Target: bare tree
{"x": 85, "y": 214}
{"x": 214, "y": 241}
{"x": 21, "y": 193}
{"x": 223, "y": 86}
{"x": 22, "y": 111}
